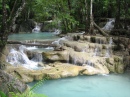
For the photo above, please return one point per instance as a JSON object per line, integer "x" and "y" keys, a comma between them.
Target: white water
{"x": 32, "y": 48}
{"x": 96, "y": 51}
{"x": 109, "y": 48}
{"x": 19, "y": 57}
{"x": 109, "y": 25}
{"x": 57, "y": 31}
{"x": 59, "y": 42}
{"x": 37, "y": 28}
{"x": 50, "y": 48}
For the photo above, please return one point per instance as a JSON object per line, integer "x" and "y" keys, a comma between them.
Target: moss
{"x": 93, "y": 39}
{"x": 117, "y": 47}
{"x": 116, "y": 59}
{"x": 107, "y": 60}
{"x": 107, "y": 38}
{"x": 2, "y": 43}
{"x": 76, "y": 37}
{"x": 119, "y": 68}
{"x": 103, "y": 47}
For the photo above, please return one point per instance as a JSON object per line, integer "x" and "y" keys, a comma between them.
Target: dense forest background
{"x": 72, "y": 15}
{"x": 68, "y": 16}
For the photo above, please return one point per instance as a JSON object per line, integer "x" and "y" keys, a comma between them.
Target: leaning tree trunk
{"x": 91, "y": 18}
{"x": 100, "y": 30}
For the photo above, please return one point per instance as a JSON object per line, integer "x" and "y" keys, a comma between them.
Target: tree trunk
{"x": 87, "y": 21}
{"x": 91, "y": 18}
{"x": 69, "y": 6}
{"x": 8, "y": 22}
{"x": 18, "y": 12}
{"x": 126, "y": 13}
{"x": 117, "y": 21}
{"x": 3, "y": 29}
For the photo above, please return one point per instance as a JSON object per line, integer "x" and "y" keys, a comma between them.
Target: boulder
{"x": 8, "y": 83}
{"x": 55, "y": 71}
{"x": 25, "y": 26}
{"x": 54, "y": 56}
{"x": 115, "y": 64}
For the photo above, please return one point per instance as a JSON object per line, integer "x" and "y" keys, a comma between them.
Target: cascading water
{"x": 109, "y": 25}
{"x": 58, "y": 42}
{"x": 37, "y": 57}
{"x": 96, "y": 51}
{"x": 109, "y": 48}
{"x": 57, "y": 31}
{"x": 86, "y": 49}
{"x": 37, "y": 28}
{"x": 90, "y": 63}
{"x": 18, "y": 57}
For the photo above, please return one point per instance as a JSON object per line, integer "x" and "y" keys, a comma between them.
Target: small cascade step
{"x": 19, "y": 56}
{"x": 94, "y": 39}
{"x": 88, "y": 47}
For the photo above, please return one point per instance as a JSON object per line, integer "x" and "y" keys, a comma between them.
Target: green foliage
{"x": 28, "y": 93}
{"x": 2, "y": 94}
{"x": 71, "y": 16}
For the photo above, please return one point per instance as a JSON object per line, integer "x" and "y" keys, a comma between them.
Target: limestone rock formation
{"x": 88, "y": 55}
{"x": 10, "y": 84}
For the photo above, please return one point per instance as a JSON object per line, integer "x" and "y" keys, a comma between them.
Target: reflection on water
{"x": 113, "y": 85}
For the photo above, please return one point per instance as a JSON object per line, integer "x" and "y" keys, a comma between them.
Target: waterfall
{"x": 96, "y": 51}
{"x": 37, "y": 28}
{"x": 89, "y": 63}
{"x": 109, "y": 48}
{"x": 110, "y": 41}
{"x": 57, "y": 31}
{"x": 19, "y": 57}
{"x": 109, "y": 25}
{"x": 37, "y": 57}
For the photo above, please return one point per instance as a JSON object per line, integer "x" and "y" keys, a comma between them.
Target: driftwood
{"x": 30, "y": 44}
{"x": 100, "y": 30}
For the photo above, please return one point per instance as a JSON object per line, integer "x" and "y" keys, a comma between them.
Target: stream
{"x": 112, "y": 85}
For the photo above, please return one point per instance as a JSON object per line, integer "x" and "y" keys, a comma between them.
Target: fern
{"x": 2, "y": 94}
{"x": 28, "y": 93}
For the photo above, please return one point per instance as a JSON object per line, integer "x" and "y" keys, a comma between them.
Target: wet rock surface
{"x": 9, "y": 83}
{"x": 87, "y": 55}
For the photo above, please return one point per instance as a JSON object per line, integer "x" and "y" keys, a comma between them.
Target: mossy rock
{"x": 103, "y": 46}
{"x": 119, "y": 67}
{"x": 116, "y": 59}
{"x": 107, "y": 60}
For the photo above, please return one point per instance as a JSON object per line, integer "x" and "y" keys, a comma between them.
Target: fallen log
{"x": 30, "y": 44}
{"x": 100, "y": 30}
